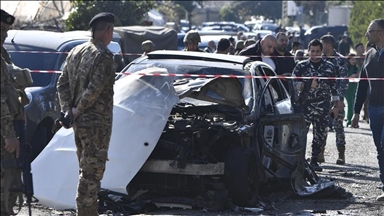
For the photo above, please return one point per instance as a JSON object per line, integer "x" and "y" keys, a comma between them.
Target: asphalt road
{"x": 358, "y": 176}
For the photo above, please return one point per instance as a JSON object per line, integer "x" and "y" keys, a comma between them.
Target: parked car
{"x": 319, "y": 31}
{"x": 265, "y": 26}
{"x": 263, "y": 33}
{"x": 42, "y": 50}
{"x": 180, "y": 42}
{"x": 224, "y": 26}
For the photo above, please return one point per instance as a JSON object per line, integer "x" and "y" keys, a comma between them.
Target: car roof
{"x": 88, "y": 33}
{"x": 169, "y": 54}
{"x": 42, "y": 39}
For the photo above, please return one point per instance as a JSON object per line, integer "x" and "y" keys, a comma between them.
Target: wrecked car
{"x": 192, "y": 125}
{"x": 214, "y": 134}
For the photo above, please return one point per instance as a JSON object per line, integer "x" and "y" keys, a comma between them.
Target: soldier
{"x": 191, "y": 41}
{"x": 13, "y": 121}
{"x": 147, "y": 46}
{"x": 341, "y": 66}
{"x": 85, "y": 91}
{"x": 317, "y": 105}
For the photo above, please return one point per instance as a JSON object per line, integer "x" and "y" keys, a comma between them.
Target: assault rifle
{"x": 22, "y": 164}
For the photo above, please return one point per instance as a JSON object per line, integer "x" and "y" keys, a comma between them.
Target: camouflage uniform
{"x": 87, "y": 84}
{"x": 317, "y": 106}
{"x": 192, "y": 37}
{"x": 10, "y": 112}
{"x": 341, "y": 66}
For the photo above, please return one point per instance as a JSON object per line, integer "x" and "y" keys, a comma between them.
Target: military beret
{"x": 102, "y": 17}
{"x": 7, "y": 18}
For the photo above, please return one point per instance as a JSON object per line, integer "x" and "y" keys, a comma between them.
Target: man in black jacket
{"x": 373, "y": 68}
{"x": 262, "y": 50}
{"x": 284, "y": 60}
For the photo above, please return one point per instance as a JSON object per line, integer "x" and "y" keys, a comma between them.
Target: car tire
{"x": 40, "y": 139}
{"x": 241, "y": 176}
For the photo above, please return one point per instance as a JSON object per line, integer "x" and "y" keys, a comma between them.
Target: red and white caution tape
{"x": 222, "y": 76}
{"x": 139, "y": 54}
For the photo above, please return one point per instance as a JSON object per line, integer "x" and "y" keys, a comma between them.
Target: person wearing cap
{"x": 191, "y": 41}
{"x": 296, "y": 45}
{"x": 13, "y": 121}
{"x": 147, "y": 46}
{"x": 85, "y": 90}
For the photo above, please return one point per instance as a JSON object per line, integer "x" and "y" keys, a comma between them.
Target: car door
{"x": 281, "y": 132}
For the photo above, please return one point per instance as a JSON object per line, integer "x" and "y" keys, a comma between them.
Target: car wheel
{"x": 241, "y": 176}
{"x": 40, "y": 139}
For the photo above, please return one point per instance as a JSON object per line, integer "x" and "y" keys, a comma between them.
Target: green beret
{"x": 7, "y": 18}
{"x": 102, "y": 17}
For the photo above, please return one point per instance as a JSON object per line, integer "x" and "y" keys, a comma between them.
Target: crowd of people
{"x": 85, "y": 90}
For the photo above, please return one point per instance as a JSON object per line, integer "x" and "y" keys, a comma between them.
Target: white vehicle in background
{"x": 263, "y": 33}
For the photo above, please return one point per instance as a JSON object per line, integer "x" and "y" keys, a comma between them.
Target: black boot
{"x": 315, "y": 166}
{"x": 341, "y": 159}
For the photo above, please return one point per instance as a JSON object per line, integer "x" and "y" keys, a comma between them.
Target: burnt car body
{"x": 41, "y": 50}
{"x": 233, "y": 134}
{"x": 190, "y": 127}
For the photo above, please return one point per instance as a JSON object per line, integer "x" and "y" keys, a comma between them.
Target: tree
{"x": 176, "y": 10}
{"x": 172, "y": 12}
{"x": 315, "y": 10}
{"x": 241, "y": 11}
{"x": 127, "y": 12}
{"x": 362, "y": 13}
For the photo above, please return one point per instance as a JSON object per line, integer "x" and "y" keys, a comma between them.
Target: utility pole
{"x": 284, "y": 14}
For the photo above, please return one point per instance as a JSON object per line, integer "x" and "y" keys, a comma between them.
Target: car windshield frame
{"x": 177, "y": 66}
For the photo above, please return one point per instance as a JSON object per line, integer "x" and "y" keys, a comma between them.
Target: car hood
{"x": 226, "y": 91}
{"x": 142, "y": 105}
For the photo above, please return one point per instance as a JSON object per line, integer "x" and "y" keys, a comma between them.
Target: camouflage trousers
{"x": 12, "y": 196}
{"x": 92, "y": 145}
{"x": 317, "y": 114}
{"x": 339, "y": 129}
{"x": 19, "y": 126}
